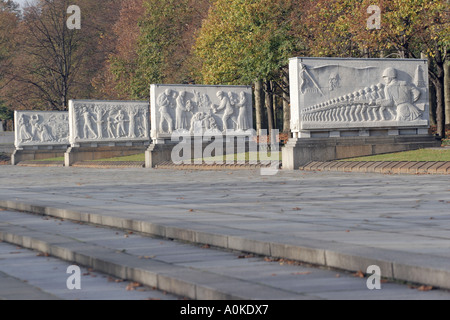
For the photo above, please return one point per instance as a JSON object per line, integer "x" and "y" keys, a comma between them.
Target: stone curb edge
{"x": 139, "y": 164}
{"x": 130, "y": 271}
{"x": 384, "y": 167}
{"x": 414, "y": 273}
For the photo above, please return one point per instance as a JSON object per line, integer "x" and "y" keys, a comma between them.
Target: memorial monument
{"x": 102, "y": 129}
{"x": 345, "y": 107}
{"x": 183, "y": 113}
{"x": 40, "y": 135}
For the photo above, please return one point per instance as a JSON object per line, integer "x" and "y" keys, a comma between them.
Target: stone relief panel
{"x": 108, "y": 121}
{"x": 39, "y": 128}
{"x": 332, "y": 93}
{"x": 194, "y": 109}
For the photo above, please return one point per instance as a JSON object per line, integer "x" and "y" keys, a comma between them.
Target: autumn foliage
{"x": 125, "y": 45}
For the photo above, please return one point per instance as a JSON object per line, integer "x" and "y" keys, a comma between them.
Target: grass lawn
{"x": 415, "y": 155}
{"x": 61, "y": 159}
{"x": 241, "y": 156}
{"x": 263, "y": 156}
{"x": 135, "y": 157}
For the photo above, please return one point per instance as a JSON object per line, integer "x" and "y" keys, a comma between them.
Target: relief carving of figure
{"x": 34, "y": 125}
{"x": 87, "y": 127}
{"x": 165, "y": 104}
{"x": 120, "y": 124}
{"x": 212, "y": 125}
{"x": 242, "y": 119}
{"x": 182, "y": 107}
{"x": 225, "y": 104}
{"x": 40, "y": 130}
{"x": 201, "y": 122}
{"x": 400, "y": 95}
{"x": 201, "y": 101}
{"x": 109, "y": 125}
{"x": 59, "y": 127}
{"x": 334, "y": 81}
{"x": 132, "y": 126}
{"x": 44, "y": 133}
{"x": 23, "y": 131}
{"x": 141, "y": 123}
{"x": 99, "y": 121}
{"x": 197, "y": 123}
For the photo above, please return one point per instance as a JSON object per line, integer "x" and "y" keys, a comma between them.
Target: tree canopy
{"x": 244, "y": 40}
{"x": 125, "y": 45}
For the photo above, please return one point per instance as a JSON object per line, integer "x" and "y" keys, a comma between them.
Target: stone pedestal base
{"x": 158, "y": 153}
{"x": 20, "y": 155}
{"x": 7, "y": 142}
{"x": 89, "y": 153}
{"x": 191, "y": 151}
{"x": 300, "y": 151}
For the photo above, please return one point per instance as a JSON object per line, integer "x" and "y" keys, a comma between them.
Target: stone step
{"x": 186, "y": 270}
{"x": 123, "y": 256}
{"x": 207, "y": 166}
{"x": 29, "y": 163}
{"x": 396, "y": 265}
{"x": 109, "y": 164}
{"x": 26, "y": 274}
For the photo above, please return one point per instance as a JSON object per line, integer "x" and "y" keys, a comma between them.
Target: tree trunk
{"x": 438, "y": 80}
{"x": 432, "y": 93}
{"x": 259, "y": 105}
{"x": 274, "y": 104}
{"x": 447, "y": 91}
{"x": 432, "y": 104}
{"x": 440, "y": 113}
{"x": 269, "y": 105}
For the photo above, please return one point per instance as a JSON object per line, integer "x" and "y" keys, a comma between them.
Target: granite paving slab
{"x": 360, "y": 218}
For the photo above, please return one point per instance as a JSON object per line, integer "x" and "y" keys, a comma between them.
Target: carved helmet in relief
{"x": 389, "y": 73}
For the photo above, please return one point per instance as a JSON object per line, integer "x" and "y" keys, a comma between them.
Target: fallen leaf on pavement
{"x": 425, "y": 288}
{"x": 359, "y": 274}
{"x": 132, "y": 286}
{"x": 245, "y": 256}
{"x": 42, "y": 254}
{"x": 268, "y": 259}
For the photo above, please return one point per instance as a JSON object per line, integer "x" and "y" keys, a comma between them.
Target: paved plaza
{"x": 336, "y": 220}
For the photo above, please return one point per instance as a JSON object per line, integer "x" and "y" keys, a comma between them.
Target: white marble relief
{"x": 331, "y": 93}
{"x": 39, "y": 128}
{"x": 193, "y": 109}
{"x": 108, "y": 121}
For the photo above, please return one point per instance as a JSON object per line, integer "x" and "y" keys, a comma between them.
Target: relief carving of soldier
{"x": 401, "y": 96}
